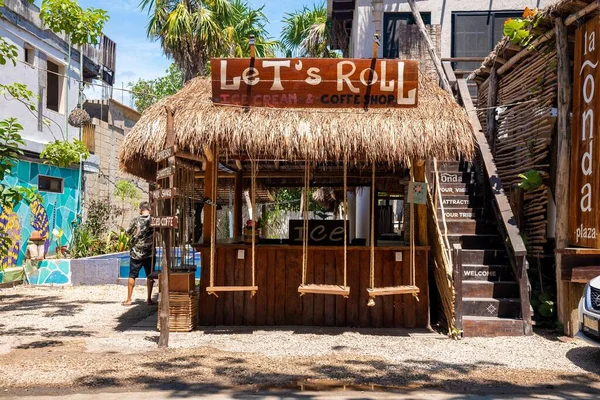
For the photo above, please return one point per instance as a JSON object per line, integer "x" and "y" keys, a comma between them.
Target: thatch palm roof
{"x": 438, "y": 127}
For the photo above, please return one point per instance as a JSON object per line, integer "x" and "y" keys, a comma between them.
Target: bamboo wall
{"x": 279, "y": 273}
{"x": 523, "y": 136}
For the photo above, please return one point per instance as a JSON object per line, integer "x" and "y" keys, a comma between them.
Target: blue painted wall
{"x": 57, "y": 210}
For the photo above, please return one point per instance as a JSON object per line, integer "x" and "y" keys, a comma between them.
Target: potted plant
{"x": 248, "y": 230}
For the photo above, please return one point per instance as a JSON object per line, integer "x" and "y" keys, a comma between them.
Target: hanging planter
{"x": 79, "y": 117}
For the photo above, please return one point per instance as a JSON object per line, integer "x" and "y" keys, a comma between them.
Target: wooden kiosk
{"x": 308, "y": 123}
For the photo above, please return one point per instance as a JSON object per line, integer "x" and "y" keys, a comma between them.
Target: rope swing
{"x": 212, "y": 289}
{"x": 392, "y": 290}
{"x": 305, "y": 288}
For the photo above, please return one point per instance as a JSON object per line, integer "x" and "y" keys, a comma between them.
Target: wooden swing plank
{"x": 325, "y": 289}
{"x": 392, "y": 290}
{"x": 214, "y": 289}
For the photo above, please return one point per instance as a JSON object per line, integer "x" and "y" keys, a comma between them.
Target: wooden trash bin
{"x": 183, "y": 311}
{"x": 180, "y": 282}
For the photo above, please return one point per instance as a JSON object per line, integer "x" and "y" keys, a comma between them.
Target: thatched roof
{"x": 438, "y": 127}
{"x": 504, "y": 50}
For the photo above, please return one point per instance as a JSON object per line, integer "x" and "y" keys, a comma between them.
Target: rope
{"x": 213, "y": 212}
{"x": 253, "y": 188}
{"x": 371, "y": 302}
{"x": 305, "y": 224}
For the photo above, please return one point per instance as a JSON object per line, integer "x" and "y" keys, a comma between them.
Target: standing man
{"x": 141, "y": 251}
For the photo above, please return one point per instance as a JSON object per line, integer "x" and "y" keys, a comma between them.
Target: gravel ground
{"x": 81, "y": 337}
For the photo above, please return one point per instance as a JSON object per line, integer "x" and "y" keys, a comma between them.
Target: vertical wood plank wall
{"x": 279, "y": 272}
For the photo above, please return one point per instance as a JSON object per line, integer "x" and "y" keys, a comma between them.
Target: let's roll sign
{"x": 315, "y": 82}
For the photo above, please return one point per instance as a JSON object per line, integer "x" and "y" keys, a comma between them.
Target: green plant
{"x": 63, "y": 154}
{"x": 128, "y": 194}
{"x": 81, "y": 26}
{"x": 117, "y": 242}
{"x": 307, "y": 32}
{"x": 100, "y": 216}
{"x": 8, "y": 52}
{"x": 531, "y": 180}
{"x": 84, "y": 243}
{"x": 57, "y": 234}
{"x": 521, "y": 31}
{"x": 146, "y": 92}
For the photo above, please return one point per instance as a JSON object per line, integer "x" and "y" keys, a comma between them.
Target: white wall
{"x": 35, "y": 79}
{"x": 361, "y": 43}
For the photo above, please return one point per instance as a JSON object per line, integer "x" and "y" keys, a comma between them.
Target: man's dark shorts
{"x": 136, "y": 266}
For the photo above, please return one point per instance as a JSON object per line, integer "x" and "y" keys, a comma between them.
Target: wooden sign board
{"x": 164, "y": 154}
{"x": 320, "y": 233}
{"x": 164, "y": 194}
{"x": 315, "y": 82}
{"x": 165, "y": 172}
{"x": 164, "y": 222}
{"x": 584, "y": 215}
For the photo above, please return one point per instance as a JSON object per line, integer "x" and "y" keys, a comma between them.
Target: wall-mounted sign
{"x": 164, "y": 222}
{"x": 164, "y": 194}
{"x": 165, "y": 172}
{"x": 164, "y": 154}
{"x": 584, "y": 216}
{"x": 419, "y": 192}
{"x": 320, "y": 233}
{"x": 315, "y": 82}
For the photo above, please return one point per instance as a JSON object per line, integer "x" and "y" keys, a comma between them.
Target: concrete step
{"x": 461, "y": 213}
{"x": 484, "y": 257}
{"x": 491, "y": 307}
{"x": 469, "y": 227}
{"x": 491, "y": 326}
{"x": 462, "y": 201}
{"x": 453, "y": 166}
{"x": 477, "y": 242}
{"x": 486, "y": 289}
{"x": 489, "y": 273}
{"x": 456, "y": 177}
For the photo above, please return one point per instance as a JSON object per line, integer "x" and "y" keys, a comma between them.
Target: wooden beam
{"x": 434, "y": 57}
{"x": 208, "y": 153}
{"x": 447, "y": 65}
{"x": 422, "y": 238}
{"x": 571, "y": 19}
{"x": 211, "y": 192}
{"x": 566, "y": 314}
{"x": 276, "y": 165}
{"x": 238, "y": 165}
{"x": 491, "y": 111}
{"x": 237, "y": 206}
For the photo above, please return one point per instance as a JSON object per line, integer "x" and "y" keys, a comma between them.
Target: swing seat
{"x": 215, "y": 289}
{"x": 392, "y": 290}
{"x": 338, "y": 290}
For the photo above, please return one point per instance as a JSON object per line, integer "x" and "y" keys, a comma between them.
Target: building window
{"x": 29, "y": 53}
{"x": 50, "y": 184}
{"x": 392, "y": 33}
{"x": 55, "y": 87}
{"x": 474, "y": 35}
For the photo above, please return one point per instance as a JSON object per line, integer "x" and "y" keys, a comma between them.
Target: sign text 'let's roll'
{"x": 315, "y": 83}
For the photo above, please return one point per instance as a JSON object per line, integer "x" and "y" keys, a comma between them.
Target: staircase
{"x": 487, "y": 296}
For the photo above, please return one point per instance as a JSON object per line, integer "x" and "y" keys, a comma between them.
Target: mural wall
{"x": 57, "y": 210}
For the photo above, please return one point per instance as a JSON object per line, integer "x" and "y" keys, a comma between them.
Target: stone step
{"x": 449, "y": 189}
{"x": 462, "y": 201}
{"x": 489, "y": 273}
{"x": 481, "y": 241}
{"x": 491, "y": 326}
{"x": 491, "y": 307}
{"x": 453, "y": 166}
{"x": 486, "y": 289}
{"x": 461, "y": 213}
{"x": 469, "y": 227}
{"x": 484, "y": 257}
{"x": 456, "y": 177}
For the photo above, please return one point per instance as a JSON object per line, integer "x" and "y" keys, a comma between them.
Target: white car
{"x": 589, "y": 313}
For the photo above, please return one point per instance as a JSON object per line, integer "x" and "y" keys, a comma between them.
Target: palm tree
{"x": 307, "y": 32}
{"x": 193, "y": 31}
{"x": 245, "y": 22}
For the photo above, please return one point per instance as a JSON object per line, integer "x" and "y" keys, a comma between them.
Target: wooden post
{"x": 163, "y": 339}
{"x": 566, "y": 313}
{"x": 421, "y": 209}
{"x": 237, "y": 205}
{"x": 209, "y": 192}
{"x": 434, "y": 57}
{"x": 491, "y": 111}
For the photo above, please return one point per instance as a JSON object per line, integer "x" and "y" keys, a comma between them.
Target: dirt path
{"x": 60, "y": 341}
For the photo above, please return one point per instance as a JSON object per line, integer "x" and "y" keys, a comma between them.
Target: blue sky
{"x": 137, "y": 57}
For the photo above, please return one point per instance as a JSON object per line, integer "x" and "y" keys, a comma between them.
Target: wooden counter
{"x": 279, "y": 273}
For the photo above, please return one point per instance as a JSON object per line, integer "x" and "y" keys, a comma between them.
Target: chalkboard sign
{"x": 320, "y": 233}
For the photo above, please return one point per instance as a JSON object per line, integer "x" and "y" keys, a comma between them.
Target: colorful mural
{"x": 10, "y": 224}
{"x": 49, "y": 272}
{"x": 57, "y": 210}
